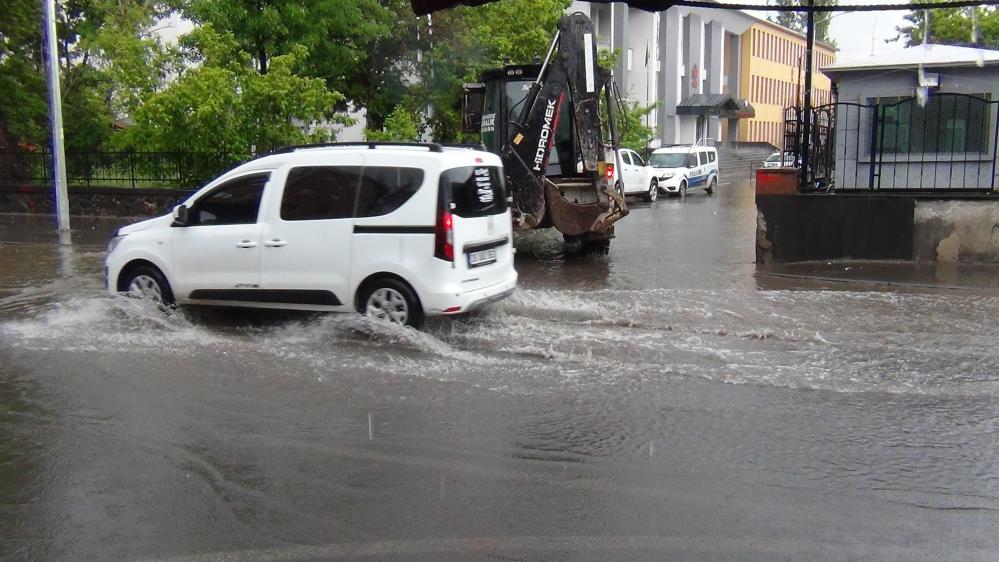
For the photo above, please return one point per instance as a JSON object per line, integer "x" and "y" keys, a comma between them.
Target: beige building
{"x": 774, "y": 59}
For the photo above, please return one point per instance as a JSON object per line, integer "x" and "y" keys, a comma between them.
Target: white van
{"x": 685, "y": 167}
{"x": 636, "y": 177}
{"x": 392, "y": 230}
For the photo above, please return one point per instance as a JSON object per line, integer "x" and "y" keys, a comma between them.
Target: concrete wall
{"x": 957, "y": 231}
{"x": 808, "y": 227}
{"x": 97, "y": 202}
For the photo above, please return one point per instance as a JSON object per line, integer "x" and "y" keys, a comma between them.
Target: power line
{"x": 665, "y": 4}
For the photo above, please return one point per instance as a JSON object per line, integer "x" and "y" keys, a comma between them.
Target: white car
{"x": 775, "y": 161}
{"x": 681, "y": 168}
{"x": 635, "y": 176}
{"x": 394, "y": 231}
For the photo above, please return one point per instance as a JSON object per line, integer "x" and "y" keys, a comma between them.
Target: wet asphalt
{"x": 667, "y": 401}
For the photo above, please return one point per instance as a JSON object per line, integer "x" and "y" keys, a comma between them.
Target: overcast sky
{"x": 859, "y": 34}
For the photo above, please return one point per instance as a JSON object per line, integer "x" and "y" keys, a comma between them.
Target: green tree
{"x": 401, "y": 125}
{"x": 467, "y": 40}
{"x": 952, "y": 26}
{"x": 23, "y": 111}
{"x": 107, "y": 54}
{"x": 224, "y": 105}
{"x": 633, "y": 131}
{"x": 798, "y": 21}
{"x": 361, "y": 48}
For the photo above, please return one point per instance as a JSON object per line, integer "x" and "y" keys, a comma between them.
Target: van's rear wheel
{"x": 712, "y": 186}
{"x": 392, "y": 300}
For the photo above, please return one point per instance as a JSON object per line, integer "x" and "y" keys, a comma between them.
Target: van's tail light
{"x": 610, "y": 172}
{"x": 444, "y": 237}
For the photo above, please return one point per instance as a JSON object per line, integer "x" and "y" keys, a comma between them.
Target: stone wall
{"x": 957, "y": 231}
{"x": 95, "y": 201}
{"x": 918, "y": 227}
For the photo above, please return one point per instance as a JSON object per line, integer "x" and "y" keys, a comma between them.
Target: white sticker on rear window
{"x": 483, "y": 185}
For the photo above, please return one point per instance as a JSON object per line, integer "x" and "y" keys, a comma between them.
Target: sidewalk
{"x": 890, "y": 274}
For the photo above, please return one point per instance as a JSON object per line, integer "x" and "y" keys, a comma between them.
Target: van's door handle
{"x": 246, "y": 244}
{"x": 275, "y": 243}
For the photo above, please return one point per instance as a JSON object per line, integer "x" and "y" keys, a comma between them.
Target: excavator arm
{"x": 568, "y": 86}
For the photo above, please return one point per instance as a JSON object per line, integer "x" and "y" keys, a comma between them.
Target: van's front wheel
{"x": 147, "y": 282}
{"x": 653, "y": 192}
{"x": 392, "y": 300}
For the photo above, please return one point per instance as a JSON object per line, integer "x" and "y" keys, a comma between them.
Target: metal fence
{"x": 115, "y": 169}
{"x": 946, "y": 143}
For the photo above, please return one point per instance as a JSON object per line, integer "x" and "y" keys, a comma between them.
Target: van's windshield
{"x": 475, "y": 191}
{"x": 668, "y": 160}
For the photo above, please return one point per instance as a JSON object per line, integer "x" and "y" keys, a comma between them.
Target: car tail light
{"x": 444, "y": 237}
{"x": 610, "y": 171}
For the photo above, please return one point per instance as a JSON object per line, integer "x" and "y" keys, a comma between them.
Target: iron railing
{"x": 115, "y": 169}
{"x": 946, "y": 143}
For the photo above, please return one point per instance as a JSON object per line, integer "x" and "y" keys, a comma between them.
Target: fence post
{"x": 995, "y": 144}
{"x": 874, "y": 146}
{"x": 131, "y": 168}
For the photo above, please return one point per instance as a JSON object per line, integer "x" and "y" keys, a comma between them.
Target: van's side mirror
{"x": 180, "y": 216}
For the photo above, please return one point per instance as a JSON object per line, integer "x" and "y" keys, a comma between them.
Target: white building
{"x": 710, "y": 71}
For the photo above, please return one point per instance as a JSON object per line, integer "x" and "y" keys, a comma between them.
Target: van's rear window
{"x": 475, "y": 191}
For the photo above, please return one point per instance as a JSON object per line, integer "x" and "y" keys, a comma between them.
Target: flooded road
{"x": 666, "y": 401}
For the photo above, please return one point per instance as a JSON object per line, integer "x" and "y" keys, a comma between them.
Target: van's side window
{"x": 320, "y": 192}
{"x": 385, "y": 188}
{"x": 234, "y": 202}
{"x": 626, "y": 157}
{"x": 702, "y": 158}
{"x": 636, "y": 159}
{"x": 711, "y": 157}
{"x": 691, "y": 160}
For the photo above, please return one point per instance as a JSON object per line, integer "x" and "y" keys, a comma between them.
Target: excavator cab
{"x": 489, "y": 108}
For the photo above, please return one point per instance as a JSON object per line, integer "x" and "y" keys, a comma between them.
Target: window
{"x": 636, "y": 159}
{"x": 234, "y": 202}
{"x": 711, "y": 157}
{"x": 385, "y": 188}
{"x": 473, "y": 191}
{"x": 625, "y": 157}
{"x": 668, "y": 160}
{"x": 702, "y": 158}
{"x": 691, "y": 160}
{"x": 320, "y": 192}
{"x": 948, "y": 123}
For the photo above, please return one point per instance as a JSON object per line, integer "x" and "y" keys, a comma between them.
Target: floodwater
{"x": 665, "y": 401}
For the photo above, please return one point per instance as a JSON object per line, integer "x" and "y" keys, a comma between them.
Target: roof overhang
{"x": 717, "y": 105}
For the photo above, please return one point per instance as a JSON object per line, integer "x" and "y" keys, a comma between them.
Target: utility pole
{"x": 806, "y": 127}
{"x": 55, "y": 115}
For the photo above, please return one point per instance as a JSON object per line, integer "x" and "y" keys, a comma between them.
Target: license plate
{"x": 482, "y": 257}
